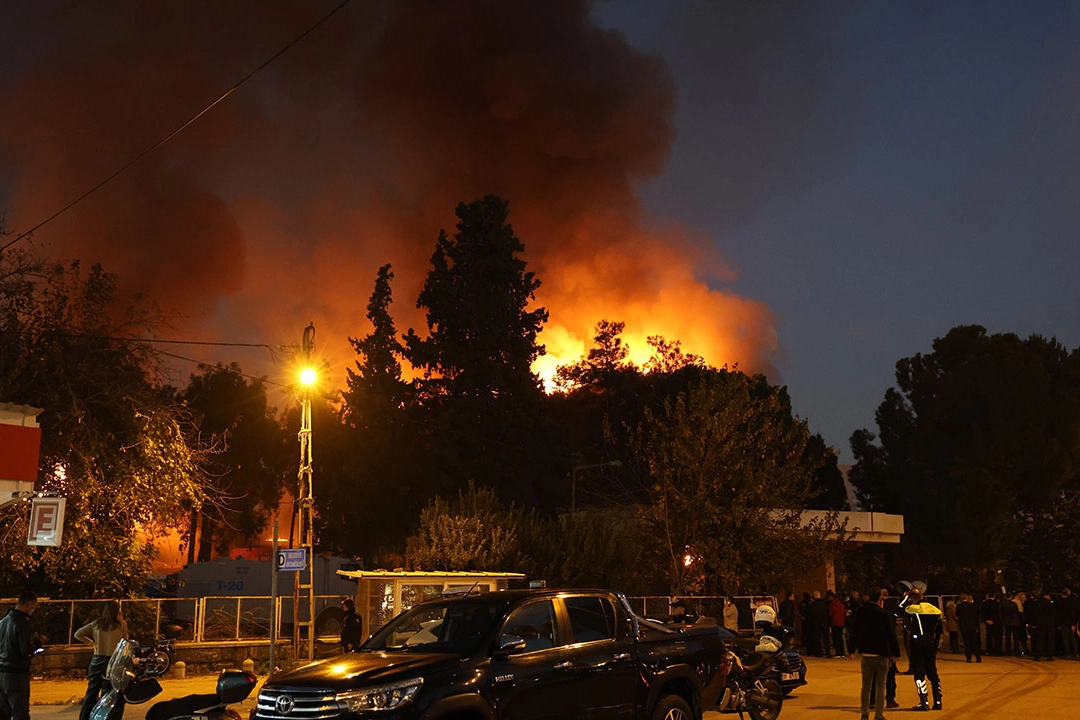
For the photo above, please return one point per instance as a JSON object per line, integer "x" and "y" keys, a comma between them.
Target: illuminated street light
{"x": 305, "y": 505}
{"x": 573, "y": 478}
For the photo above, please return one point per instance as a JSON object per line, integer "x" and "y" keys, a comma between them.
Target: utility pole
{"x": 304, "y": 537}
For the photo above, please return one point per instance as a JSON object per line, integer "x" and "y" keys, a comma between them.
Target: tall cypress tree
{"x": 482, "y": 398}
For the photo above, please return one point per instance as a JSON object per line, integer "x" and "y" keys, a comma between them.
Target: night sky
{"x": 811, "y": 190}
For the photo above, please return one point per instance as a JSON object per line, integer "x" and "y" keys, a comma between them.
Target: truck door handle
{"x": 563, "y": 665}
{"x": 621, "y": 656}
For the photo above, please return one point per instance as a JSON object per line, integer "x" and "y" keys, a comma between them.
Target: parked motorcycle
{"x": 789, "y": 669}
{"x": 752, "y": 686}
{"x": 155, "y": 659}
{"x": 130, "y": 680}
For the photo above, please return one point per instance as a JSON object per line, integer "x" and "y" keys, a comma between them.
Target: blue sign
{"x": 292, "y": 559}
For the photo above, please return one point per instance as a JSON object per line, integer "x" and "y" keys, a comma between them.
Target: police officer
{"x": 922, "y": 621}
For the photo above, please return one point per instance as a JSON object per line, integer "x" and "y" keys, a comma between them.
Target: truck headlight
{"x": 380, "y": 697}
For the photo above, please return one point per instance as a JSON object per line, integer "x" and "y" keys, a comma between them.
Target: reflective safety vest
{"x": 924, "y": 621}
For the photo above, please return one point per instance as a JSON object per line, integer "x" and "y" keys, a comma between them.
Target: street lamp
{"x": 573, "y": 478}
{"x": 305, "y": 505}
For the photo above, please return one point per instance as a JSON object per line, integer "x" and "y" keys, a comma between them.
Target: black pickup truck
{"x": 513, "y": 655}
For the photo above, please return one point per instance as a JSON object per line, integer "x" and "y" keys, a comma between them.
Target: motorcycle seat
{"x": 751, "y": 662}
{"x": 187, "y": 705}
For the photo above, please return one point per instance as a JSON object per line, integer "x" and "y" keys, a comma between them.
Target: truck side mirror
{"x": 510, "y": 645}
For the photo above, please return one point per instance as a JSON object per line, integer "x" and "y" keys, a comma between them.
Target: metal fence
{"x": 232, "y": 618}
{"x": 658, "y": 606}
{"x": 197, "y": 620}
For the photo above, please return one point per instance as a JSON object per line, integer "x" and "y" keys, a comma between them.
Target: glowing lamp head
{"x": 308, "y": 377}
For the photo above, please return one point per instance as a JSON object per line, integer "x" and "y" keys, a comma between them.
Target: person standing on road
{"x": 837, "y": 622}
{"x": 873, "y": 636}
{"x": 819, "y": 624}
{"x": 1020, "y": 601}
{"x": 923, "y": 622}
{"x": 991, "y": 614}
{"x": 806, "y": 635}
{"x": 1043, "y": 624}
{"x": 351, "y": 626}
{"x": 18, "y": 641}
{"x": 731, "y": 615}
{"x": 852, "y": 602}
{"x": 103, "y": 634}
{"x": 967, "y": 616}
{"x": 952, "y": 626}
{"x": 1065, "y": 613}
{"x": 785, "y": 613}
{"x": 1010, "y": 620}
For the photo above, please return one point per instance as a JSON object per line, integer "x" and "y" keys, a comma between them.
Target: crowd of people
{"x": 1038, "y": 625}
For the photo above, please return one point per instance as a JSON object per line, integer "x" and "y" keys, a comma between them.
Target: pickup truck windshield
{"x": 450, "y": 626}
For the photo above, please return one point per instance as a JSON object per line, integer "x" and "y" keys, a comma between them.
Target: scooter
{"x": 233, "y": 686}
{"x": 135, "y": 685}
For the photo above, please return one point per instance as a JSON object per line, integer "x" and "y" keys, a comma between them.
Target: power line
{"x": 195, "y": 342}
{"x": 264, "y": 380}
{"x": 120, "y": 338}
{"x": 175, "y": 132}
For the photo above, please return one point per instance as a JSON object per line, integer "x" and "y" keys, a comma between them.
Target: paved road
{"x": 1001, "y": 688}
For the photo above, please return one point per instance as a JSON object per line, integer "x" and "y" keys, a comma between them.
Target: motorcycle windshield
{"x": 121, "y": 665}
{"x": 104, "y": 706}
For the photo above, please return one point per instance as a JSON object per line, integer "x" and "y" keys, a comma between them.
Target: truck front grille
{"x": 286, "y": 703}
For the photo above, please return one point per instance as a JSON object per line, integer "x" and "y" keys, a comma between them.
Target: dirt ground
{"x": 1002, "y": 688}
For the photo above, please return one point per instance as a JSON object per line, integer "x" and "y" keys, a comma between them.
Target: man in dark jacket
{"x": 1042, "y": 622}
{"x": 351, "y": 626}
{"x": 819, "y": 624}
{"x": 1066, "y": 615}
{"x": 786, "y": 612}
{"x": 17, "y": 644}
{"x": 967, "y": 615}
{"x": 873, "y": 636}
{"x": 991, "y": 614}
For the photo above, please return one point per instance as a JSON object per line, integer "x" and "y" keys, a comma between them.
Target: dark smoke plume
{"x": 351, "y": 151}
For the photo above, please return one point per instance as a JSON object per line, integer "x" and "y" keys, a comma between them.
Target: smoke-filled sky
{"x": 811, "y": 190}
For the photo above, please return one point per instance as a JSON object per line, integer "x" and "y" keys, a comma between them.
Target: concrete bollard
{"x": 180, "y": 669}
{"x": 248, "y": 666}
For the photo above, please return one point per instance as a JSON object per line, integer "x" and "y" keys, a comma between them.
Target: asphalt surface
{"x": 1002, "y": 688}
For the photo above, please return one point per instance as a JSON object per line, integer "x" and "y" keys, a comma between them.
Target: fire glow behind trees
{"x": 350, "y": 151}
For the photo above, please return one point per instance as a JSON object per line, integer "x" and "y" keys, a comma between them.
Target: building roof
{"x": 425, "y": 575}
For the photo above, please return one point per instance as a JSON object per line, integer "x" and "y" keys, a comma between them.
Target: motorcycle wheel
{"x": 765, "y": 704}
{"x": 156, "y": 663}
{"x": 672, "y": 707}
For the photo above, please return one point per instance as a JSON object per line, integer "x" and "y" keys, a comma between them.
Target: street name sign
{"x": 292, "y": 559}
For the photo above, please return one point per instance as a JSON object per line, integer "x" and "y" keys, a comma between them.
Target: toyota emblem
{"x": 284, "y": 704}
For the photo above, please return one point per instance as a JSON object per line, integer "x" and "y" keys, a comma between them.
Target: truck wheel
{"x": 672, "y": 707}
{"x": 765, "y": 705}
